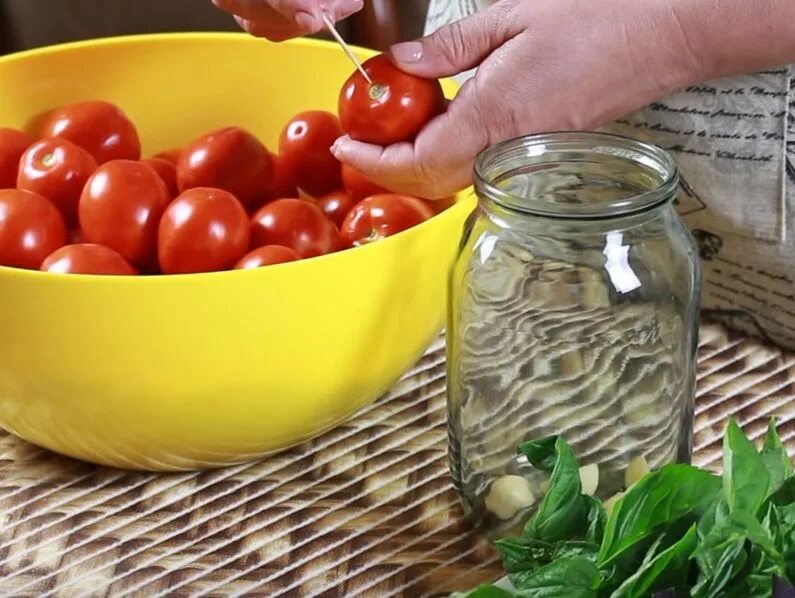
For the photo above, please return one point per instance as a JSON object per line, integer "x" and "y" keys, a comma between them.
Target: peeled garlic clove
{"x": 636, "y": 469}
{"x": 589, "y": 479}
{"x": 611, "y": 502}
{"x": 508, "y": 495}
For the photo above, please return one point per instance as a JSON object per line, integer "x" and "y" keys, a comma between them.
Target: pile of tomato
{"x": 76, "y": 196}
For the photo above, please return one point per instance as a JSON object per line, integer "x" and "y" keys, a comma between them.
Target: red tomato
{"x": 31, "y": 228}
{"x": 336, "y": 205}
{"x": 171, "y": 155}
{"x": 100, "y": 128}
{"x": 283, "y": 184}
{"x": 13, "y": 144}
{"x": 305, "y": 145}
{"x": 231, "y": 159}
{"x": 167, "y": 172}
{"x": 295, "y": 223}
{"x": 393, "y": 109}
{"x": 57, "y": 169}
{"x": 358, "y": 185}
{"x": 121, "y": 206}
{"x": 440, "y": 205}
{"x": 203, "y": 230}
{"x": 87, "y": 258}
{"x": 382, "y": 216}
{"x": 267, "y": 256}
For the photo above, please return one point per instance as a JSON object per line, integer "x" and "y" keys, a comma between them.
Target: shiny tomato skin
{"x": 57, "y": 169}
{"x": 267, "y": 256}
{"x": 382, "y": 216}
{"x": 295, "y": 223}
{"x": 31, "y": 228}
{"x": 171, "y": 155}
{"x": 100, "y": 128}
{"x": 13, "y": 144}
{"x": 305, "y": 147}
{"x": 231, "y": 159}
{"x": 167, "y": 172}
{"x": 336, "y": 205}
{"x": 87, "y": 258}
{"x": 283, "y": 183}
{"x": 202, "y": 230}
{"x": 121, "y": 206}
{"x": 393, "y": 109}
{"x": 358, "y": 185}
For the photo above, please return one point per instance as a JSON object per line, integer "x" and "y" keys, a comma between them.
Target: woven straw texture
{"x": 365, "y": 510}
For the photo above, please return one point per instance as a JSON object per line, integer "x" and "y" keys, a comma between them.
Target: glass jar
{"x": 574, "y": 310}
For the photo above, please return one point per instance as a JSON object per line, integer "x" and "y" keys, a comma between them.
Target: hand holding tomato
{"x": 382, "y": 216}
{"x": 100, "y": 128}
{"x": 57, "y": 169}
{"x": 87, "y": 258}
{"x": 295, "y": 223}
{"x": 13, "y": 144}
{"x": 203, "y": 230}
{"x": 31, "y": 228}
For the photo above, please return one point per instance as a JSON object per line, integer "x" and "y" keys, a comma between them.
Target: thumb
{"x": 457, "y": 47}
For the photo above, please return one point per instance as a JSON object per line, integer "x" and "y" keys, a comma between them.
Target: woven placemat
{"x": 365, "y": 510}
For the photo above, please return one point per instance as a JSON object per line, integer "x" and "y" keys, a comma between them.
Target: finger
{"x": 305, "y": 13}
{"x": 460, "y": 46}
{"x": 270, "y": 31}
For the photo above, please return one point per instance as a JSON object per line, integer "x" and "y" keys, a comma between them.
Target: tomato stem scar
{"x": 377, "y": 91}
{"x": 48, "y": 159}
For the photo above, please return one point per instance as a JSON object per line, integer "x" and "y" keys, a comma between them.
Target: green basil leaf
{"x": 661, "y": 570}
{"x": 484, "y": 591}
{"x": 774, "y": 454}
{"x": 784, "y": 535}
{"x": 658, "y": 499}
{"x": 571, "y": 577}
{"x": 540, "y": 453}
{"x": 784, "y": 495}
{"x": 719, "y": 558}
{"x": 746, "y": 480}
{"x": 597, "y": 519}
{"x": 561, "y": 512}
{"x": 523, "y": 553}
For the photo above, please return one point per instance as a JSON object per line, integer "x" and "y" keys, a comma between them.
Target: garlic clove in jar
{"x": 636, "y": 469}
{"x": 589, "y": 479}
{"x": 508, "y": 495}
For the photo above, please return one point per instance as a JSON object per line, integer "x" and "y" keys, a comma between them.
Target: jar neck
{"x": 576, "y": 177}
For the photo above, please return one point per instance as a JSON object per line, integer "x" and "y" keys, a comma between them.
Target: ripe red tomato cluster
{"x": 77, "y": 196}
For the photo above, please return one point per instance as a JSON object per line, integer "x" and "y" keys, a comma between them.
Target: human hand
{"x": 544, "y": 65}
{"x": 278, "y": 20}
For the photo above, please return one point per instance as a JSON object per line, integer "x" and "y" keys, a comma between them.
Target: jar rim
{"x": 645, "y": 155}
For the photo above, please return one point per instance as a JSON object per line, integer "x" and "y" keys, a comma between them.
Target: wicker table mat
{"x": 365, "y": 510}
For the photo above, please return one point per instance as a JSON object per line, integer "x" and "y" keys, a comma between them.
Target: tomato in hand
{"x": 358, "y": 185}
{"x": 121, "y": 207}
{"x": 87, "y": 258}
{"x": 203, "y": 230}
{"x": 171, "y": 155}
{"x": 283, "y": 184}
{"x": 231, "y": 159}
{"x": 267, "y": 256}
{"x": 31, "y": 228}
{"x": 167, "y": 172}
{"x": 57, "y": 169}
{"x": 305, "y": 146}
{"x": 295, "y": 223}
{"x": 13, "y": 144}
{"x": 382, "y": 216}
{"x": 336, "y": 205}
{"x": 393, "y": 109}
{"x": 100, "y": 128}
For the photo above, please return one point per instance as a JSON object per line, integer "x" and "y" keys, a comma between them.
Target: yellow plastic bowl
{"x": 186, "y": 372}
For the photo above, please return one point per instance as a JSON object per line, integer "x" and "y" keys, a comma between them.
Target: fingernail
{"x": 338, "y": 148}
{"x": 407, "y": 52}
{"x": 344, "y": 8}
{"x": 307, "y": 22}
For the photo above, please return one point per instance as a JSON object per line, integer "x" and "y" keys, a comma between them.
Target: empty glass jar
{"x": 574, "y": 312}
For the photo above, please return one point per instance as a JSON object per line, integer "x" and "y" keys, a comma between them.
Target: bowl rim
{"x": 463, "y": 197}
